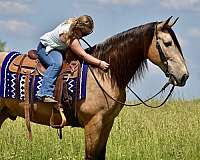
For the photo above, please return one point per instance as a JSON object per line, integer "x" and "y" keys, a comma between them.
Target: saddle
{"x": 29, "y": 65}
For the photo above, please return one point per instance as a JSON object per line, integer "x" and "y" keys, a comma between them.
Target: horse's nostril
{"x": 184, "y": 78}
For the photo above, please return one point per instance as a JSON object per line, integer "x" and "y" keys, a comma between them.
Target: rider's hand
{"x": 104, "y": 65}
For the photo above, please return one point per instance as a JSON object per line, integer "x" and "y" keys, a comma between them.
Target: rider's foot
{"x": 49, "y": 99}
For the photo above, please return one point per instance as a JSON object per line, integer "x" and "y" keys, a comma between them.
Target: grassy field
{"x": 171, "y": 132}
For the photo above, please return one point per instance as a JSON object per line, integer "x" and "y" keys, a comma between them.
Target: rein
{"x": 163, "y": 59}
{"x": 142, "y": 101}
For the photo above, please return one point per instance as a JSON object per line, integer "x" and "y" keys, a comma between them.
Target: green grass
{"x": 171, "y": 132}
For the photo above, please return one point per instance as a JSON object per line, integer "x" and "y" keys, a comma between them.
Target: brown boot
{"x": 49, "y": 100}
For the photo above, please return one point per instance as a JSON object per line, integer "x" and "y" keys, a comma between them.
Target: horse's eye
{"x": 167, "y": 44}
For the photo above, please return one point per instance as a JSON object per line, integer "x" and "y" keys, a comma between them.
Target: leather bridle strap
{"x": 155, "y": 95}
{"x": 161, "y": 54}
{"x": 17, "y": 89}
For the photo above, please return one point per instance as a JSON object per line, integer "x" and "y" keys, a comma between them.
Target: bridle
{"x": 161, "y": 53}
{"x": 165, "y": 63}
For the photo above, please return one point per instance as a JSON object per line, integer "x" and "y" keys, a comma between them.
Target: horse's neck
{"x": 2, "y": 57}
{"x": 129, "y": 61}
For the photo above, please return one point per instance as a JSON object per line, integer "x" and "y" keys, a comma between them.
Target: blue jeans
{"x": 53, "y": 63}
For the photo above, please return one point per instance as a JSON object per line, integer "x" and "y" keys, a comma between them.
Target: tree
{"x": 2, "y": 45}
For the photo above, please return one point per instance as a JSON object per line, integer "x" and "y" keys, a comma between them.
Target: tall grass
{"x": 171, "y": 132}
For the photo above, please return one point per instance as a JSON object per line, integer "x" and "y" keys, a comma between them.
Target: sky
{"x": 22, "y": 22}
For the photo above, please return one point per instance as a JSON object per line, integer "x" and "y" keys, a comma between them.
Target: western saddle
{"x": 29, "y": 65}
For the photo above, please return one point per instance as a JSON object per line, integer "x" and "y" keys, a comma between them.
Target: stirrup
{"x": 64, "y": 121}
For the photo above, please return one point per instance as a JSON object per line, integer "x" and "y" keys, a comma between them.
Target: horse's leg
{"x": 4, "y": 114}
{"x": 3, "y": 117}
{"x": 96, "y": 136}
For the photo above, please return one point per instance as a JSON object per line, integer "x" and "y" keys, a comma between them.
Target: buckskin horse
{"x": 127, "y": 53}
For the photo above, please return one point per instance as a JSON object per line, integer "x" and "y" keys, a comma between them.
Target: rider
{"x": 53, "y": 44}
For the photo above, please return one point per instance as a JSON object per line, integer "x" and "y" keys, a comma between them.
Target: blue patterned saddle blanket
{"x": 8, "y": 81}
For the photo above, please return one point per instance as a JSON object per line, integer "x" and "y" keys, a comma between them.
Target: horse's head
{"x": 166, "y": 53}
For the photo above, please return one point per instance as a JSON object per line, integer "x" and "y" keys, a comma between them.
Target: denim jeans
{"x": 53, "y": 63}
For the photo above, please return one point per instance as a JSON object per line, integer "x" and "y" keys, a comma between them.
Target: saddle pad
{"x": 8, "y": 81}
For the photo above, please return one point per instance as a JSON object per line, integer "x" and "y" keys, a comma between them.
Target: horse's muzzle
{"x": 184, "y": 79}
{"x": 173, "y": 80}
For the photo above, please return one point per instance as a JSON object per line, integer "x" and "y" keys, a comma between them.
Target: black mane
{"x": 125, "y": 52}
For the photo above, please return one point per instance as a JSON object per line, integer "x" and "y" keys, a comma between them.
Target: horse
{"x": 127, "y": 53}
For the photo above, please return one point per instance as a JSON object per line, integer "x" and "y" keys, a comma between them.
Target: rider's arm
{"x": 77, "y": 49}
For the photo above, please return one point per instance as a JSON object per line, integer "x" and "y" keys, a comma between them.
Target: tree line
{"x": 2, "y": 46}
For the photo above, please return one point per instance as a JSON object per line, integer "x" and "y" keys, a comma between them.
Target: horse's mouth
{"x": 174, "y": 81}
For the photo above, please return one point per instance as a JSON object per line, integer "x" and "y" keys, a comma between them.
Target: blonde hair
{"x": 84, "y": 23}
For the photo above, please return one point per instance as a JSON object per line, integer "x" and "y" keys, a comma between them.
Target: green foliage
{"x": 168, "y": 133}
{"x": 2, "y": 45}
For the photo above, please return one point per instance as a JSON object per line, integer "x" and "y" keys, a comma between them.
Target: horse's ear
{"x": 166, "y": 24}
{"x": 171, "y": 23}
